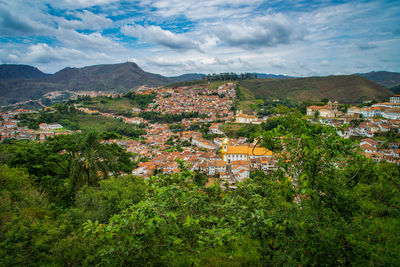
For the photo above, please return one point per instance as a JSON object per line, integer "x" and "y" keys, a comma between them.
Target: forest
{"x": 68, "y": 202}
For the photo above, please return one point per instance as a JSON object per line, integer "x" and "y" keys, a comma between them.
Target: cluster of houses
{"x": 215, "y": 103}
{"x": 234, "y": 165}
{"x": 9, "y": 128}
{"x": 387, "y": 110}
{"x": 365, "y": 122}
{"x": 377, "y": 151}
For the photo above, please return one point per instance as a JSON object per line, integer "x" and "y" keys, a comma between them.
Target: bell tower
{"x": 225, "y": 144}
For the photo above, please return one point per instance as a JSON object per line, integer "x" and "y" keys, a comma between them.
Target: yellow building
{"x": 243, "y": 152}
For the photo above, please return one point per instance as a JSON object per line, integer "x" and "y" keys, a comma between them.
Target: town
{"x": 201, "y": 142}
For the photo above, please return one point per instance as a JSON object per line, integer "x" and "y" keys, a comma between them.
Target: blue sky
{"x": 172, "y": 37}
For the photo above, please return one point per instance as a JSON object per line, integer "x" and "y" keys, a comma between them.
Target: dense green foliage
{"x": 326, "y": 205}
{"x": 65, "y": 163}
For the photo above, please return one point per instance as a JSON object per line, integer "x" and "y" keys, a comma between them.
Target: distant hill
{"x": 17, "y": 72}
{"x": 395, "y": 89}
{"x": 384, "y": 78}
{"x": 189, "y": 77}
{"x": 345, "y": 89}
{"x": 272, "y": 76}
{"x": 112, "y": 77}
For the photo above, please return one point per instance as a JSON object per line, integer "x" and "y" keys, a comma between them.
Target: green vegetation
{"x": 245, "y": 100}
{"x": 73, "y": 119}
{"x": 249, "y": 104}
{"x": 395, "y": 89}
{"x": 235, "y": 130}
{"x": 344, "y": 89}
{"x": 346, "y": 209}
{"x": 120, "y": 105}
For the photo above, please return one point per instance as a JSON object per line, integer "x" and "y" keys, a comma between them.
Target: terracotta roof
{"x": 248, "y": 150}
{"x": 317, "y": 107}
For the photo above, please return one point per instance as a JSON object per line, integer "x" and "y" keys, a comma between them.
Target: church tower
{"x": 225, "y": 144}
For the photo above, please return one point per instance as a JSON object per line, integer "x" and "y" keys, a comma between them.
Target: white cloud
{"x": 86, "y": 20}
{"x": 93, "y": 41}
{"x": 32, "y": 22}
{"x": 74, "y": 4}
{"x": 42, "y": 53}
{"x": 206, "y": 9}
{"x": 155, "y": 34}
{"x": 264, "y": 31}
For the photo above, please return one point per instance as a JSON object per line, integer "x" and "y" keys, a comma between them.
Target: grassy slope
{"x": 244, "y": 100}
{"x": 97, "y": 122}
{"x": 107, "y": 105}
{"x": 345, "y": 89}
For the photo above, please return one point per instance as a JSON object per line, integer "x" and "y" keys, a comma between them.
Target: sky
{"x": 173, "y": 37}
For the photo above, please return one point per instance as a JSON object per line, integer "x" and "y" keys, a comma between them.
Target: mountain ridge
{"x": 126, "y": 76}
{"x": 19, "y": 71}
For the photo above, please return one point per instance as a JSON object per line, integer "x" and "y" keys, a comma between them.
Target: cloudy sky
{"x": 172, "y": 37}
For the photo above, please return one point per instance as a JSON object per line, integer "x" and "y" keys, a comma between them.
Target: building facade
{"x": 243, "y": 152}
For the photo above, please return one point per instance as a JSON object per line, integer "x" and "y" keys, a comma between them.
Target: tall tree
{"x": 91, "y": 162}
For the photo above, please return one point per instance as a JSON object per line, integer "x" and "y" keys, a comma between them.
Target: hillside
{"x": 116, "y": 77}
{"x": 396, "y": 89}
{"x": 188, "y": 77}
{"x": 345, "y": 89}
{"x": 112, "y": 77}
{"x": 16, "y": 72}
{"x": 384, "y": 78}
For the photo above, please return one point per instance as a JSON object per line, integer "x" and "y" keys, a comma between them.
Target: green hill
{"x": 385, "y": 78}
{"x": 344, "y": 89}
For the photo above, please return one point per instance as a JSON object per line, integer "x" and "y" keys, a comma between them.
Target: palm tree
{"x": 91, "y": 161}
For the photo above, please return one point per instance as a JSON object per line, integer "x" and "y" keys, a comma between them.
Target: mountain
{"x": 111, "y": 77}
{"x": 272, "y": 76}
{"x": 384, "y": 78}
{"x": 344, "y": 89}
{"x": 17, "y": 72}
{"x": 188, "y": 77}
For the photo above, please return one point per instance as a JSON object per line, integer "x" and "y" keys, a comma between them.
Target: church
{"x": 242, "y": 152}
{"x": 327, "y": 111}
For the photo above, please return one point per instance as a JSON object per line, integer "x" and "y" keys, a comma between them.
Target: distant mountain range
{"x": 23, "y": 82}
{"x": 272, "y": 76}
{"x": 189, "y": 77}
